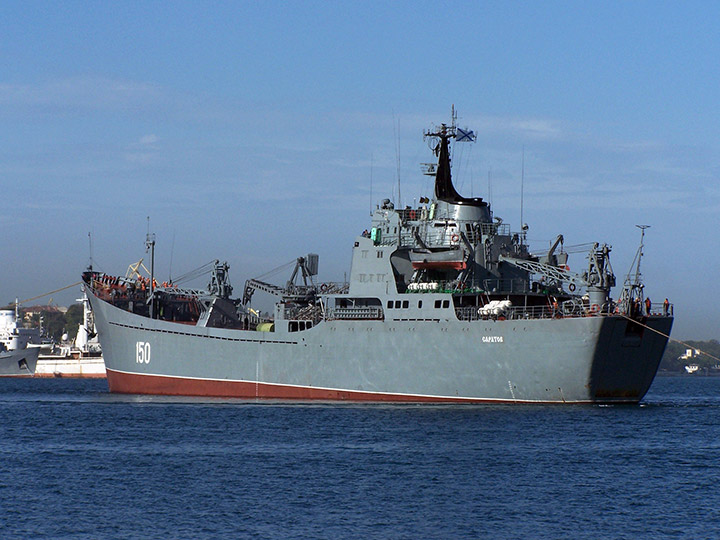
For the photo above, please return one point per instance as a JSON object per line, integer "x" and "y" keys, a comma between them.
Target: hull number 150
{"x": 142, "y": 352}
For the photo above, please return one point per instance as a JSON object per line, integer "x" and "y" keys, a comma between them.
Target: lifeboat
{"x": 447, "y": 259}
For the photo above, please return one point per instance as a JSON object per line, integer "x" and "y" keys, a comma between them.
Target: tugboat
{"x": 444, "y": 304}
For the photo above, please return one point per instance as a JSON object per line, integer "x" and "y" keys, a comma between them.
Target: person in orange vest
{"x": 666, "y": 306}
{"x": 648, "y": 304}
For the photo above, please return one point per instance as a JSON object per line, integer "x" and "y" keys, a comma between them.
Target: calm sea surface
{"x": 77, "y": 462}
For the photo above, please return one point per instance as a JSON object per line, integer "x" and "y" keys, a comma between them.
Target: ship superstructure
{"x": 19, "y": 347}
{"x": 13, "y": 335}
{"x": 443, "y": 303}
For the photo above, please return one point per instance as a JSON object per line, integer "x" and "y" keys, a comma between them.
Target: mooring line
{"x": 668, "y": 336}
{"x": 49, "y": 293}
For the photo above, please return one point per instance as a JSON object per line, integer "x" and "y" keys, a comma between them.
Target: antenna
{"x": 522, "y": 188}
{"x": 397, "y": 156}
{"x": 453, "y": 118}
{"x": 150, "y": 245}
{"x": 90, "y": 264}
{"x": 372, "y": 163}
{"x": 172, "y": 251}
{"x": 490, "y": 194}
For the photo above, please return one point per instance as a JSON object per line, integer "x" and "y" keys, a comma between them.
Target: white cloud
{"x": 81, "y": 92}
{"x": 522, "y": 128}
{"x": 141, "y": 158}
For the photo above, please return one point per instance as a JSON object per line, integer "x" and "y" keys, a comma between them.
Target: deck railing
{"x": 472, "y": 313}
{"x": 517, "y": 285}
{"x": 564, "y": 311}
{"x": 354, "y": 313}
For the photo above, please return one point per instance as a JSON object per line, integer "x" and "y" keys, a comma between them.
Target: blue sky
{"x": 258, "y": 132}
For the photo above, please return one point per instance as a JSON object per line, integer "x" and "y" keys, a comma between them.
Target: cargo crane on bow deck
{"x": 306, "y": 267}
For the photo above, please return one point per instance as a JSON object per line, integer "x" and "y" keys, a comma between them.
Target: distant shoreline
{"x": 701, "y": 373}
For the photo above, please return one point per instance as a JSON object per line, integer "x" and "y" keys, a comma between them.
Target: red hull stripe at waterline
{"x": 134, "y": 383}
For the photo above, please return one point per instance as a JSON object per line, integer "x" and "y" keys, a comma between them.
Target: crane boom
{"x": 555, "y": 273}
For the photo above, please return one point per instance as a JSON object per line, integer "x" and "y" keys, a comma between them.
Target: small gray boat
{"x": 19, "y": 362}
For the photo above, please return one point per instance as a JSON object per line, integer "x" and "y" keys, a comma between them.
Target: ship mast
{"x": 522, "y": 196}
{"x": 444, "y": 188}
{"x": 150, "y": 246}
{"x": 633, "y": 287}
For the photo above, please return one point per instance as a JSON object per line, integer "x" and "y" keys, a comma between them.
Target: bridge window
{"x": 299, "y": 326}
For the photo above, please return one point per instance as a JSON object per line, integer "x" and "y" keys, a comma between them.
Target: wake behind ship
{"x": 444, "y": 304}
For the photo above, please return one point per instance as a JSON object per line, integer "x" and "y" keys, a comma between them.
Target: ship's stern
{"x": 627, "y": 357}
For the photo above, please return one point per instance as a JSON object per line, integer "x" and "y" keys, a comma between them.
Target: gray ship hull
{"x": 19, "y": 362}
{"x": 593, "y": 359}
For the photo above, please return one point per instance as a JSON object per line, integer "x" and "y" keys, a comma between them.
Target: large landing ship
{"x": 444, "y": 304}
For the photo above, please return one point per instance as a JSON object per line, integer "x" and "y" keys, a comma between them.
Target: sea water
{"x": 78, "y": 462}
